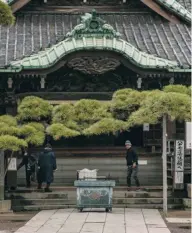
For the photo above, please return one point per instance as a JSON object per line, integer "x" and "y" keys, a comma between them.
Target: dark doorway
{"x": 135, "y": 135}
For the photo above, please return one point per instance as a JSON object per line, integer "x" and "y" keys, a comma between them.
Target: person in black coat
{"x": 132, "y": 164}
{"x": 29, "y": 161}
{"x": 46, "y": 167}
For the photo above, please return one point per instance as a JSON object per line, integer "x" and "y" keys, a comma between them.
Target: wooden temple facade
{"x": 67, "y": 50}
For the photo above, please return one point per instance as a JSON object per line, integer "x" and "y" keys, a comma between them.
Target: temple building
{"x": 68, "y": 50}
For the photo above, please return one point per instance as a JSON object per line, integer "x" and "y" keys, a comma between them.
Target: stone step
{"x": 140, "y": 194}
{"x": 42, "y": 207}
{"x": 21, "y": 189}
{"x": 148, "y": 206}
{"x": 51, "y": 207}
{"x": 72, "y": 194}
{"x": 145, "y": 201}
{"x": 41, "y": 195}
{"x": 20, "y": 202}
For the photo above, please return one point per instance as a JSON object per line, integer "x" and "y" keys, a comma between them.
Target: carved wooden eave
{"x": 17, "y": 4}
{"x": 176, "y": 8}
{"x": 92, "y": 34}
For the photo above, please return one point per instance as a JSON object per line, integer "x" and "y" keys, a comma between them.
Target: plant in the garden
{"x": 6, "y": 16}
{"x": 124, "y": 102}
{"x": 11, "y": 143}
{"x": 58, "y": 130}
{"x": 105, "y": 126}
{"x": 9, "y": 134}
{"x": 70, "y": 120}
{"x": 33, "y": 108}
{"x": 177, "y": 89}
{"x": 173, "y": 104}
{"x": 33, "y": 133}
{"x": 34, "y": 115}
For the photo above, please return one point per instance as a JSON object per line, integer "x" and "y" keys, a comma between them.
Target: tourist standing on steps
{"x": 46, "y": 167}
{"x": 29, "y": 161}
{"x": 132, "y": 164}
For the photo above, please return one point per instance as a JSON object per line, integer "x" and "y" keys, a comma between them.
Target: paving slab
{"x": 96, "y": 221}
{"x": 92, "y": 228}
{"x": 158, "y": 230}
{"x": 96, "y": 217}
{"x": 179, "y": 220}
{"x": 153, "y": 218}
{"x": 137, "y": 229}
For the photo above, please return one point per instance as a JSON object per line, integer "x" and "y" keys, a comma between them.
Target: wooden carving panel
{"x": 91, "y": 65}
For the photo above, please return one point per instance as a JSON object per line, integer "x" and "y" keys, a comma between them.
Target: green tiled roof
{"x": 51, "y": 56}
{"x": 177, "y": 8}
{"x": 92, "y": 34}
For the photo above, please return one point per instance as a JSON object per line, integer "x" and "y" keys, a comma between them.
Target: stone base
{"x": 1, "y": 192}
{"x": 187, "y": 203}
{"x": 5, "y": 206}
{"x": 189, "y": 187}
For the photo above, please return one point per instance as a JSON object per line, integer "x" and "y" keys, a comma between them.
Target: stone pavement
{"x": 96, "y": 221}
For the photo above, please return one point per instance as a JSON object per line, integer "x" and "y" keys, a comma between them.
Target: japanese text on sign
{"x": 179, "y": 161}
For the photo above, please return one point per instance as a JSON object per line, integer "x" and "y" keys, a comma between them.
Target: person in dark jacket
{"x": 46, "y": 167}
{"x": 132, "y": 164}
{"x": 29, "y": 161}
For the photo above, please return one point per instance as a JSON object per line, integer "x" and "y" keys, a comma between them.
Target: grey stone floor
{"x": 96, "y": 221}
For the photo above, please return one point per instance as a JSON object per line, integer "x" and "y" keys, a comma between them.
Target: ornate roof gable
{"x": 92, "y": 34}
{"x": 93, "y": 26}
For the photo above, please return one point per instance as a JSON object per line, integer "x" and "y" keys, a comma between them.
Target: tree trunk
{"x": 1, "y": 175}
{"x": 164, "y": 157}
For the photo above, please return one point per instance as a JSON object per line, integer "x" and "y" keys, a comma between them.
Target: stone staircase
{"x": 65, "y": 197}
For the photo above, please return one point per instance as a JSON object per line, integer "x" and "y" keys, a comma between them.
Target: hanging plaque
{"x": 145, "y": 127}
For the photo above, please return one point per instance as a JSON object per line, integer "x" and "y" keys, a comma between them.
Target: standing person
{"x": 46, "y": 167}
{"x": 132, "y": 164}
{"x": 29, "y": 161}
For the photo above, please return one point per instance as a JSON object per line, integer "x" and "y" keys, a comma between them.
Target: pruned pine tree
{"x": 85, "y": 117}
{"x": 6, "y": 16}
{"x": 173, "y": 102}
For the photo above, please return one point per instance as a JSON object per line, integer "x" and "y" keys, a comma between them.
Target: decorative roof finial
{"x": 93, "y": 26}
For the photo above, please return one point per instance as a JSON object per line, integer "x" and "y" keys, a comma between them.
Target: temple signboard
{"x": 179, "y": 163}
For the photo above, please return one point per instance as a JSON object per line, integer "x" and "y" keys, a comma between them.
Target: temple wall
{"x": 150, "y": 169}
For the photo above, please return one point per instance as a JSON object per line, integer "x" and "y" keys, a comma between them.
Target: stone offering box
{"x": 93, "y": 193}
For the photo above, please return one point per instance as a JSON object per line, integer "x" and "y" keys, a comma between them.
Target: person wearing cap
{"x": 46, "y": 167}
{"x": 132, "y": 164}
